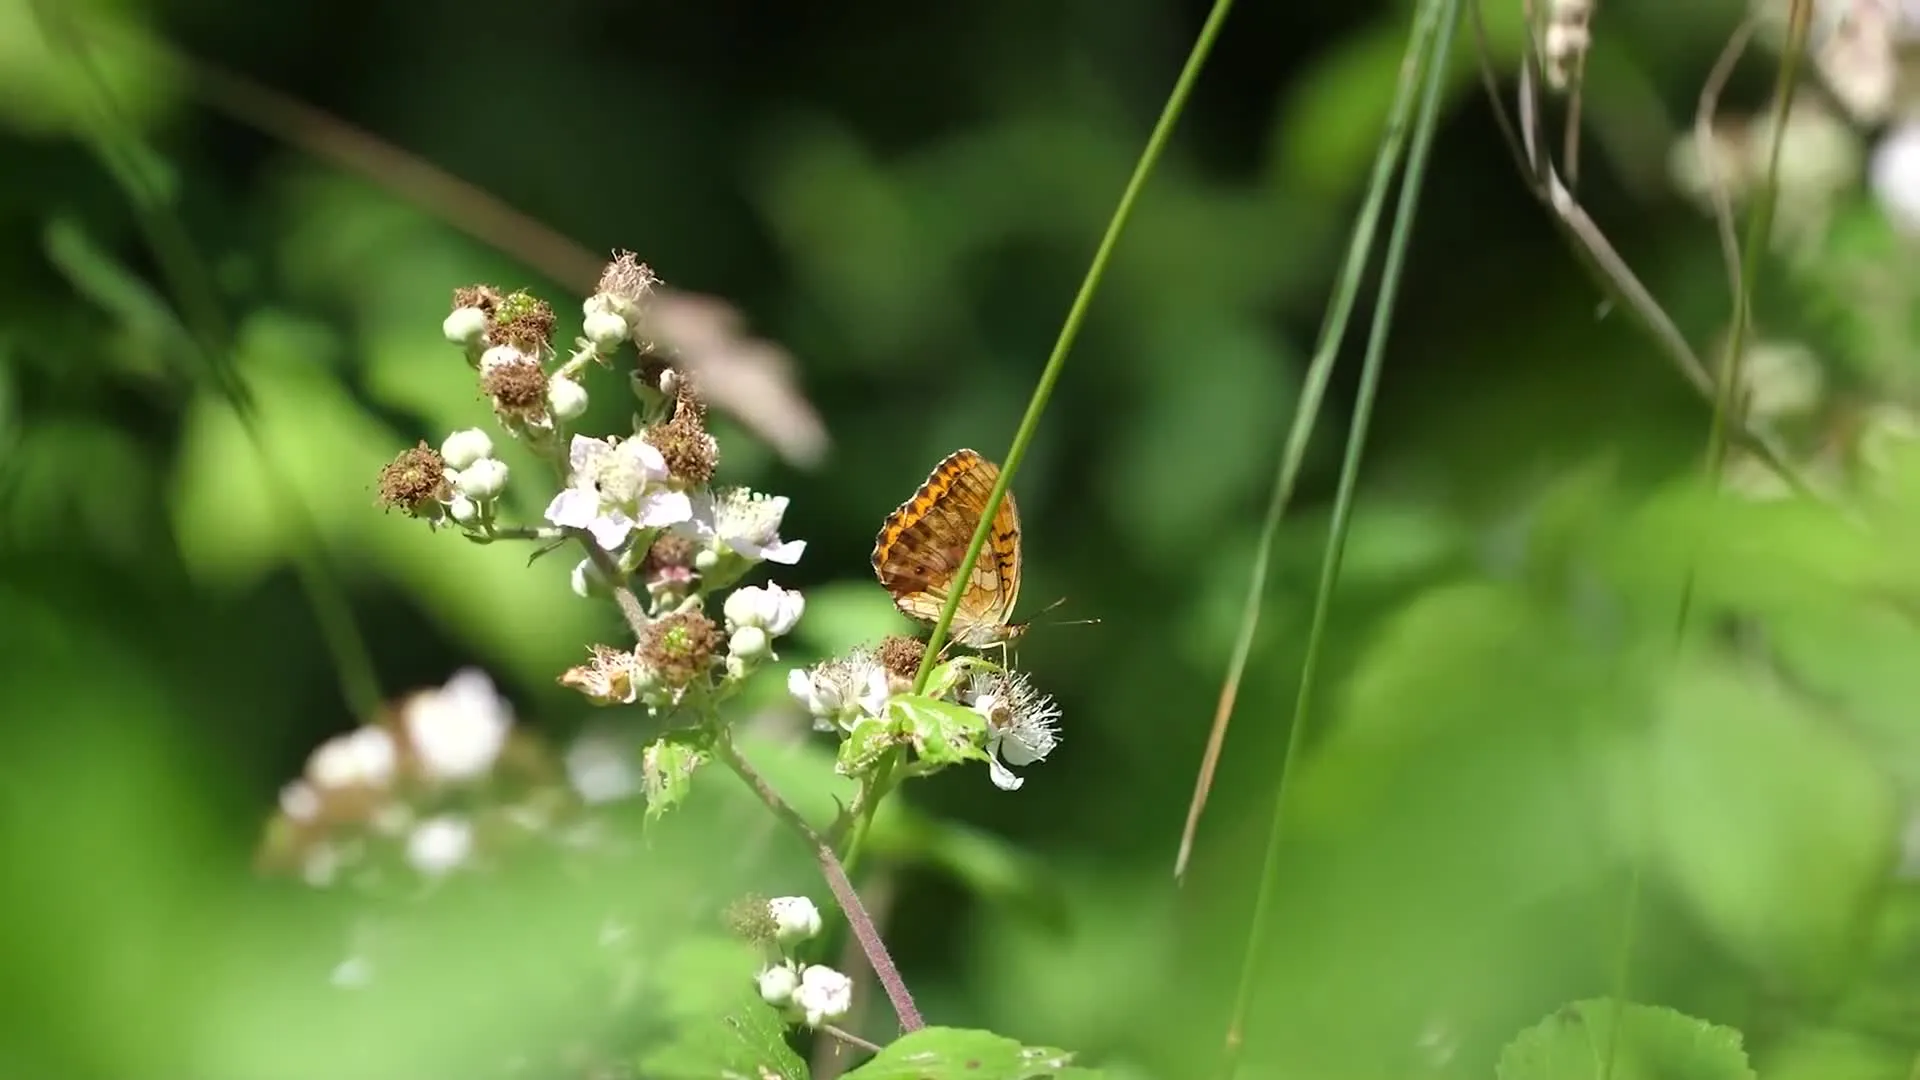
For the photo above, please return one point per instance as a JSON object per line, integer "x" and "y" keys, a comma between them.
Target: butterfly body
{"x": 921, "y": 545}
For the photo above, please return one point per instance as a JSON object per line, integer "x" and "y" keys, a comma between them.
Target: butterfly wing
{"x": 922, "y": 543}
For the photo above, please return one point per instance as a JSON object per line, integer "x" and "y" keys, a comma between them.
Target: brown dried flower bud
{"x": 680, "y": 648}
{"x": 415, "y": 481}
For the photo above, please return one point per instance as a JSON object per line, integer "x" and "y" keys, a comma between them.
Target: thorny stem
{"x": 843, "y": 892}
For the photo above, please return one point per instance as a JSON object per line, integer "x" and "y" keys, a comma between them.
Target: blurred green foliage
{"x": 1519, "y": 781}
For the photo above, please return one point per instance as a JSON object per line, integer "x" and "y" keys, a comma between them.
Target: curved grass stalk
{"x": 876, "y": 788}
{"x": 1427, "y": 48}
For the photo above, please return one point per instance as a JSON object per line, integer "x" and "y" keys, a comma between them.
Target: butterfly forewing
{"x": 922, "y": 544}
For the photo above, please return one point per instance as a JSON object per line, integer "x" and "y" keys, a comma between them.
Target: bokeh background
{"x": 1505, "y": 745}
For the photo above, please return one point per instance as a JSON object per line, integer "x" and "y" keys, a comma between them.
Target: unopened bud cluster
{"x": 811, "y": 994}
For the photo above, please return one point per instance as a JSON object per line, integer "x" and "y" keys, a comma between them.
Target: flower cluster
{"x": 441, "y": 782}
{"x": 971, "y": 710}
{"x": 812, "y": 994}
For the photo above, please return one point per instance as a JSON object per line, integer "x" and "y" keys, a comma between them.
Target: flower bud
{"x": 566, "y": 398}
{"x": 749, "y": 643}
{"x": 823, "y": 994}
{"x": 482, "y": 481}
{"x": 777, "y": 985}
{"x": 463, "y": 448}
{"x": 769, "y": 607}
{"x": 795, "y": 918}
{"x": 605, "y": 329}
{"x": 463, "y": 510}
{"x": 465, "y": 326}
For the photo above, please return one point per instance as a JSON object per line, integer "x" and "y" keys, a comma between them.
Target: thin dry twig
{"x": 748, "y": 378}
{"x": 1537, "y": 166}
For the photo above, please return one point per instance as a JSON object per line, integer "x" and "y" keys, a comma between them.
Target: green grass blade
{"x": 1431, "y": 39}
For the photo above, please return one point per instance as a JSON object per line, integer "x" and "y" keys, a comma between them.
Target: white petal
{"x": 648, "y": 456}
{"x": 1002, "y": 776}
{"x": 573, "y": 508}
{"x": 786, "y": 552}
{"x": 582, "y": 452}
{"x": 662, "y": 508}
{"x": 611, "y": 530}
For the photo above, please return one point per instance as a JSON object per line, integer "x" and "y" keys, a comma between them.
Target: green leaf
{"x": 864, "y": 746}
{"x": 945, "y": 677}
{"x": 937, "y": 1053}
{"x": 667, "y": 766}
{"x": 720, "y": 1032}
{"x": 1773, "y": 822}
{"x": 1652, "y": 1043}
{"x": 943, "y": 733}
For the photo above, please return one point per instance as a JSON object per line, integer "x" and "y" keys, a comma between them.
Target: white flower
{"x": 838, "y": 692}
{"x": 439, "y": 845}
{"x": 458, "y": 731}
{"x": 823, "y": 994}
{"x": 300, "y": 802}
{"x": 483, "y": 480}
{"x": 615, "y": 487}
{"x": 795, "y": 918}
{"x": 1022, "y": 724}
{"x": 769, "y": 607}
{"x": 463, "y": 509}
{"x": 464, "y": 326}
{"x": 364, "y": 757}
{"x": 1895, "y": 176}
{"x": 566, "y": 398}
{"x": 463, "y": 448}
{"x": 777, "y": 985}
{"x": 746, "y": 523}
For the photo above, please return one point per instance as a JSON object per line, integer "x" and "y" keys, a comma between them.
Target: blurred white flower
{"x": 1895, "y": 176}
{"x": 795, "y": 918}
{"x": 463, "y": 509}
{"x": 615, "y": 487}
{"x": 823, "y": 994}
{"x": 300, "y": 802}
{"x": 1022, "y": 723}
{"x": 364, "y": 757}
{"x": 439, "y": 845}
{"x": 746, "y": 523}
{"x": 600, "y": 767}
{"x": 458, "y": 731}
{"x": 769, "y": 607}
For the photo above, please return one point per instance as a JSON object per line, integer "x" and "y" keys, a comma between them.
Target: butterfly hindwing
{"x": 923, "y": 542}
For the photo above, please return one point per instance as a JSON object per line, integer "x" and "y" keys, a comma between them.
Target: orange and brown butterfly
{"x": 922, "y": 544}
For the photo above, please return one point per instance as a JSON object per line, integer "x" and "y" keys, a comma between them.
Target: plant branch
{"x": 843, "y": 892}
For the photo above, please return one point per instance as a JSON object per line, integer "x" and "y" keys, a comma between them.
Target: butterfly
{"x": 922, "y": 543}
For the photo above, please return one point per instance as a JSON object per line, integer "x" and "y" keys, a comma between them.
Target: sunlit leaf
{"x": 1643, "y": 1042}
{"x": 960, "y": 1054}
